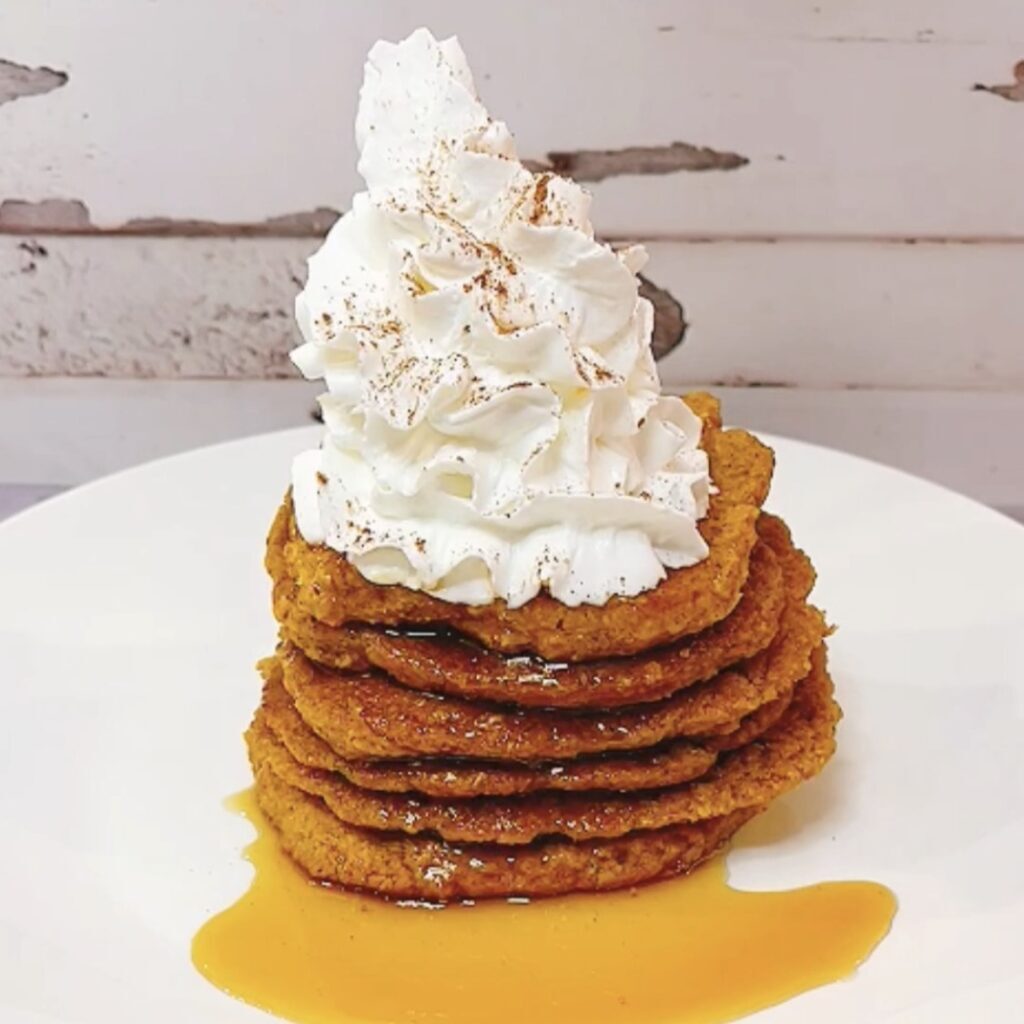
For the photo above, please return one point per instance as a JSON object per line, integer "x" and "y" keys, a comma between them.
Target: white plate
{"x": 132, "y": 611}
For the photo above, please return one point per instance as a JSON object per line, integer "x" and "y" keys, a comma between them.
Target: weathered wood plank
{"x": 816, "y": 314}
{"x": 853, "y": 119}
{"x": 823, "y": 314}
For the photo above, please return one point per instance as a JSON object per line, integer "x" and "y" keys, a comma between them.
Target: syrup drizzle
{"x": 687, "y": 951}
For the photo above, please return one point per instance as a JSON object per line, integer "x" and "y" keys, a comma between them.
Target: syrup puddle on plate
{"x": 686, "y": 951}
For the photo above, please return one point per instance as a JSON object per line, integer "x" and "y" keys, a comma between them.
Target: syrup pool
{"x": 687, "y": 951}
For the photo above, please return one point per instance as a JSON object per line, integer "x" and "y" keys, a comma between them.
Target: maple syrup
{"x": 686, "y": 951}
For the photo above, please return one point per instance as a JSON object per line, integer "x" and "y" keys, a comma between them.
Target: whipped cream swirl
{"x": 494, "y": 422}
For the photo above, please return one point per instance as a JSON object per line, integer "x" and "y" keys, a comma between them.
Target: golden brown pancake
{"x": 367, "y": 715}
{"x": 666, "y": 765}
{"x": 425, "y": 868}
{"x": 425, "y": 749}
{"x": 751, "y": 726}
{"x": 794, "y": 749}
{"x": 453, "y": 665}
{"x": 652, "y": 768}
{"x": 329, "y": 589}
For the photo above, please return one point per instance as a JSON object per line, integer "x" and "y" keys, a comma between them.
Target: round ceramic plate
{"x": 132, "y": 612}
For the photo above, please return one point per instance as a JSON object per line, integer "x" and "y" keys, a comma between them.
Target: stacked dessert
{"x": 536, "y": 633}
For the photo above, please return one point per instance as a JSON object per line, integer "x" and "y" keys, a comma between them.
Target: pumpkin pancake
{"x": 453, "y": 665}
{"x": 326, "y": 587}
{"x": 665, "y": 765}
{"x": 794, "y": 749}
{"x": 426, "y": 868}
{"x": 751, "y": 726}
{"x": 367, "y": 715}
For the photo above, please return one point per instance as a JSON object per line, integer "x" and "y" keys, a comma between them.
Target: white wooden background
{"x": 844, "y": 226}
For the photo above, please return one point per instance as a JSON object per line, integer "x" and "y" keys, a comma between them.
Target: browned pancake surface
{"x": 419, "y": 867}
{"x": 666, "y": 765}
{"x": 367, "y": 715}
{"x": 794, "y": 749}
{"x": 460, "y": 667}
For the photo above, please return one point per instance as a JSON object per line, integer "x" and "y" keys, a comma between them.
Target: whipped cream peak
{"x": 494, "y": 421}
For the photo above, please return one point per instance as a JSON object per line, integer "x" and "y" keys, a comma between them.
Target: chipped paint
{"x": 33, "y": 251}
{"x": 1014, "y": 93}
{"x": 305, "y": 224}
{"x": 217, "y": 308}
{"x": 58, "y": 216}
{"x": 739, "y": 381}
{"x": 598, "y": 164}
{"x": 669, "y": 318}
{"x": 71, "y": 217}
{"x": 164, "y": 308}
{"x": 34, "y": 248}
{"x": 19, "y": 82}
{"x": 170, "y": 308}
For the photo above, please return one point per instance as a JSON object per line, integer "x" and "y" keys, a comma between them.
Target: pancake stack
{"x": 428, "y": 750}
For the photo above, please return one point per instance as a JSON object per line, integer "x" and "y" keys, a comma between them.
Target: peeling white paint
{"x": 812, "y": 314}
{"x": 859, "y": 121}
{"x": 19, "y": 215}
{"x": 1014, "y": 92}
{"x": 140, "y": 307}
{"x": 19, "y": 82}
{"x": 593, "y": 165}
{"x": 236, "y": 113}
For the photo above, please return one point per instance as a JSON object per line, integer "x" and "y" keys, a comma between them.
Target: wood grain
{"x": 817, "y": 314}
{"x": 831, "y": 191}
{"x": 856, "y": 119}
